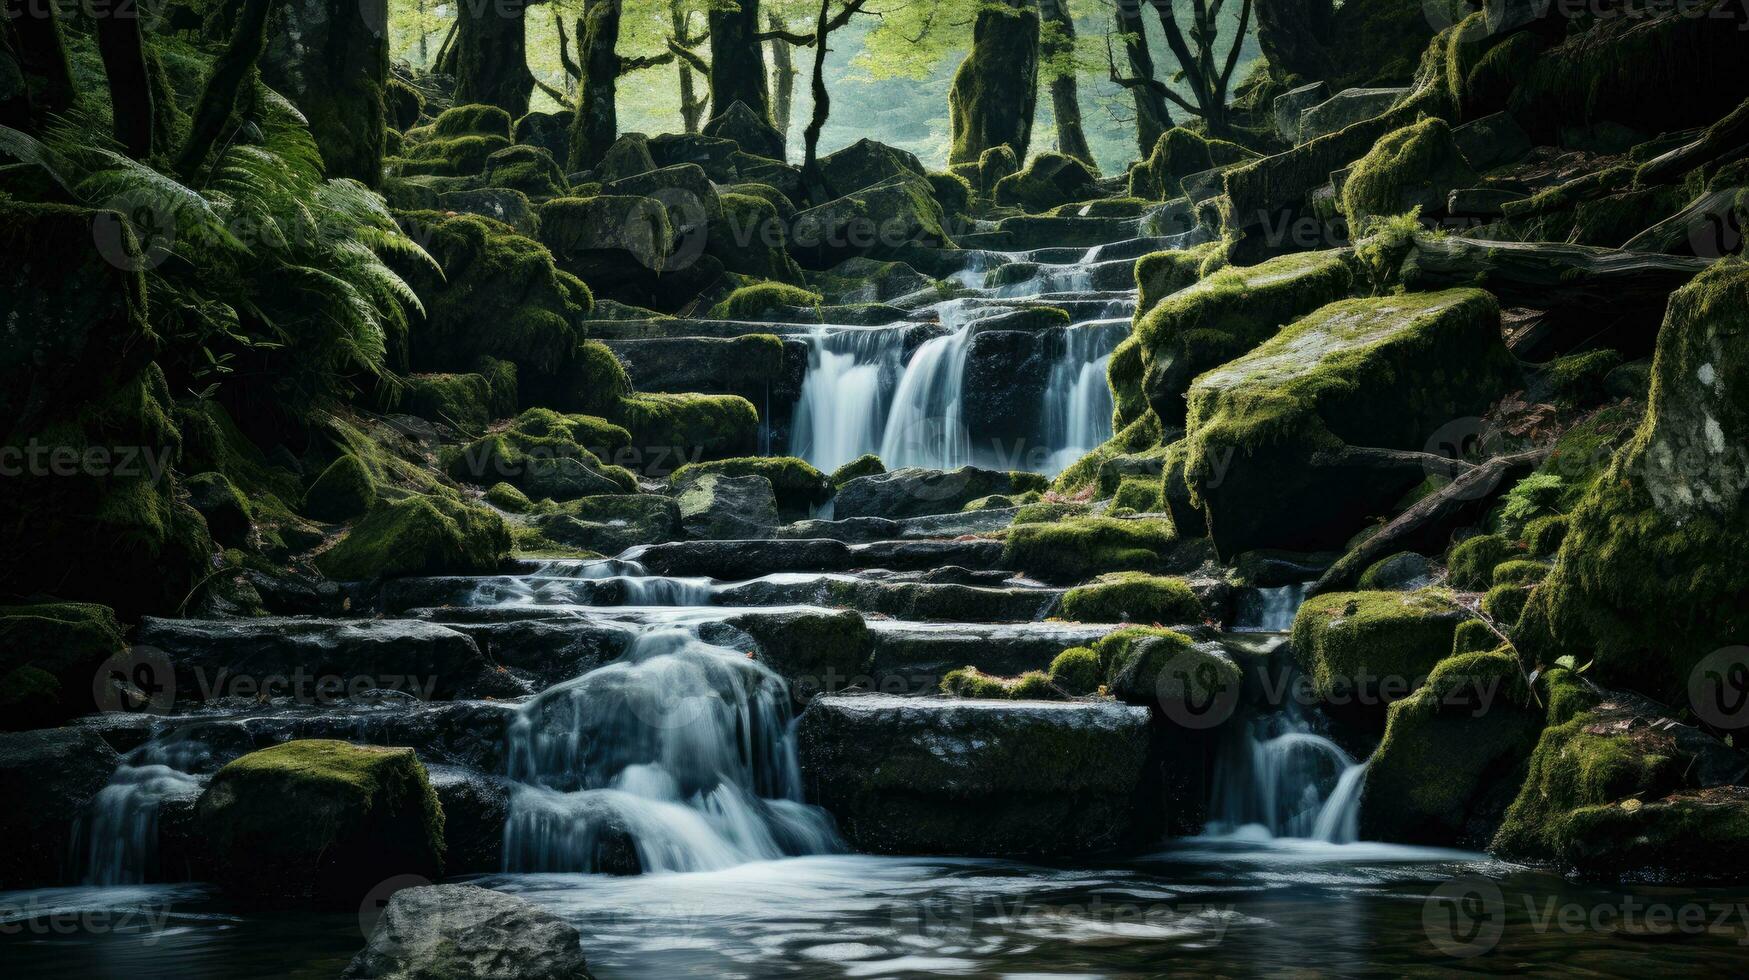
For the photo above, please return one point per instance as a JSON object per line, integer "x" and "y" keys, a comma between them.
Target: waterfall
{"x": 118, "y": 832}
{"x": 681, "y": 753}
{"x": 1077, "y": 401}
{"x": 1270, "y": 610}
{"x": 843, "y": 405}
{"x": 1277, "y": 777}
{"x": 924, "y": 427}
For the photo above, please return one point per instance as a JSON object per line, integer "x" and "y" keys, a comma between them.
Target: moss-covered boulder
{"x": 420, "y": 535}
{"x": 1049, "y": 179}
{"x": 750, "y": 131}
{"x": 974, "y": 777}
{"x": 1077, "y": 671}
{"x": 1160, "y": 274}
{"x": 227, "y": 513}
{"x": 446, "y": 156}
{"x": 590, "y": 381}
{"x": 342, "y": 491}
{"x": 1075, "y": 549}
{"x": 1267, "y": 433}
{"x": 1617, "y": 790}
{"x": 491, "y": 275}
{"x": 1193, "y": 684}
{"x": 866, "y": 163}
{"x": 1639, "y": 581}
{"x": 86, "y": 430}
{"x": 992, "y": 165}
{"x": 543, "y": 453}
{"x": 460, "y": 400}
{"x": 611, "y": 523}
{"x": 1453, "y": 754}
{"x": 617, "y": 243}
{"x": 970, "y": 682}
{"x": 867, "y": 464}
{"x": 1177, "y": 154}
{"x": 49, "y": 657}
{"x": 1216, "y": 319}
{"x": 798, "y": 485}
{"x": 472, "y": 120}
{"x": 320, "y": 821}
{"x": 1364, "y": 650}
{"x": 876, "y": 221}
{"x": 529, "y": 169}
{"x": 816, "y": 652}
{"x": 752, "y": 238}
{"x": 913, "y": 491}
{"x": 1414, "y": 167}
{"x": 669, "y": 431}
{"x": 1133, "y": 597}
{"x": 1470, "y": 563}
{"x": 763, "y": 299}
{"x": 724, "y": 506}
{"x": 990, "y": 101}
{"x": 1399, "y": 572}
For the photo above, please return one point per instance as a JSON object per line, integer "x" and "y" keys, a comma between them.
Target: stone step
{"x": 741, "y": 560}
{"x": 861, "y": 530}
{"x": 911, "y": 658}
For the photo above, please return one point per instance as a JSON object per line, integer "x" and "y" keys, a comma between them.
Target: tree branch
{"x": 692, "y": 58}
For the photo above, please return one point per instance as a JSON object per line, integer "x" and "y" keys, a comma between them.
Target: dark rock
{"x": 474, "y": 809}
{"x": 497, "y": 203}
{"x": 627, "y": 157}
{"x": 1006, "y": 374}
{"x": 1491, "y": 141}
{"x": 1404, "y": 571}
{"x": 866, "y": 163}
{"x": 466, "y": 931}
{"x": 751, "y": 133}
{"x": 717, "y": 506}
{"x": 815, "y": 652}
{"x": 911, "y": 658}
{"x": 1287, "y": 108}
{"x": 873, "y": 221}
{"x": 740, "y": 560}
{"x": 1346, "y": 108}
{"x": 47, "y": 777}
{"x": 551, "y": 131}
{"x": 716, "y": 156}
{"x": 916, "y": 492}
{"x": 929, "y": 776}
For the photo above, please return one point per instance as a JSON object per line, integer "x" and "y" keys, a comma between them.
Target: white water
{"x": 682, "y": 749}
{"x": 1276, "y": 778}
{"x": 1270, "y": 610}
{"x": 843, "y": 406}
{"x": 1077, "y": 401}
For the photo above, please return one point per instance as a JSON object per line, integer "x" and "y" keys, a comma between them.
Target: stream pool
{"x": 1242, "y": 905}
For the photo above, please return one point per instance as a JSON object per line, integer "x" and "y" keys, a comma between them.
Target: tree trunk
{"x": 491, "y": 57}
{"x": 596, "y": 124}
{"x": 996, "y": 87}
{"x": 1057, "y": 49}
{"x": 332, "y": 60}
{"x": 737, "y": 61}
{"x": 812, "y": 181}
{"x": 1153, "y": 117}
{"x": 783, "y": 73}
{"x": 130, "y": 85}
{"x": 692, "y": 105}
{"x": 1294, "y": 37}
{"x": 48, "y": 76}
{"x": 219, "y": 96}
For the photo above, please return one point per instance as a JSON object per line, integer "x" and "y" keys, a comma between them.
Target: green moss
{"x": 867, "y": 464}
{"x": 1078, "y": 671}
{"x": 1505, "y": 603}
{"x": 994, "y": 164}
{"x": 785, "y": 208}
{"x": 1232, "y": 311}
{"x": 756, "y": 301}
{"x": 750, "y": 238}
{"x": 1152, "y": 666}
{"x": 1452, "y": 754}
{"x": 1140, "y": 435}
{"x": 1104, "y": 207}
{"x": 419, "y": 536}
{"x": 1415, "y": 166}
{"x": 402, "y": 104}
{"x": 952, "y": 192}
{"x": 528, "y": 169}
{"x": 227, "y": 512}
{"x": 458, "y": 156}
{"x": 1520, "y": 571}
{"x": 472, "y": 120}
{"x": 1160, "y": 274}
{"x": 1364, "y": 649}
{"x": 1543, "y": 536}
{"x": 49, "y": 655}
{"x": 1050, "y": 179}
{"x": 689, "y": 427}
{"x": 798, "y": 485}
{"x": 540, "y": 454}
{"x": 598, "y": 435}
{"x": 1133, "y": 597}
{"x": 322, "y": 820}
{"x": 970, "y": 682}
{"x": 1470, "y": 564}
{"x": 509, "y": 499}
{"x": 1177, "y": 154}
{"x": 1577, "y": 380}
{"x": 1001, "y": 501}
{"x": 460, "y": 400}
{"x": 501, "y": 388}
{"x": 1474, "y": 636}
{"x": 1078, "y": 548}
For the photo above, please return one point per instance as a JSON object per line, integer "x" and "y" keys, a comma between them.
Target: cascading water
{"x": 1276, "y": 777}
{"x": 1077, "y": 401}
{"x": 843, "y": 406}
{"x": 681, "y": 752}
{"x": 1270, "y": 610}
{"x": 119, "y": 829}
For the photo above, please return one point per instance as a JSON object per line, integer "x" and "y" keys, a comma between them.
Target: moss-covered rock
{"x": 1077, "y": 671}
{"x": 1543, "y": 535}
{"x": 542, "y": 454}
{"x": 1385, "y": 373}
{"x": 1077, "y": 548}
{"x": 1133, "y": 597}
{"x": 1401, "y": 571}
{"x": 877, "y": 222}
{"x": 420, "y": 535}
{"x": 1470, "y": 563}
{"x": 1505, "y": 603}
{"x": 1177, "y": 154}
{"x": 320, "y": 821}
{"x": 798, "y": 485}
{"x": 1160, "y": 274}
{"x": 669, "y": 431}
{"x": 1165, "y": 669}
{"x": 447, "y": 156}
{"x": 528, "y": 169}
{"x": 867, "y": 464}
{"x": 507, "y": 498}
{"x": 970, "y": 682}
{"x": 1521, "y": 571}
{"x": 226, "y": 511}
{"x": 1049, "y": 179}
{"x": 954, "y": 194}
{"x": 1453, "y": 754}
{"x": 760, "y": 300}
{"x": 402, "y": 104}
{"x": 472, "y": 120}
{"x": 1364, "y": 650}
{"x": 992, "y": 165}
{"x": 990, "y": 101}
{"x": 866, "y": 163}
{"x": 1417, "y": 166}
{"x": 751, "y": 238}
{"x": 621, "y": 245}
{"x": 1576, "y": 380}
{"x": 1232, "y": 311}
{"x": 459, "y": 400}
{"x": 342, "y": 491}
{"x": 609, "y": 524}
{"x": 49, "y": 655}
{"x": 1638, "y": 580}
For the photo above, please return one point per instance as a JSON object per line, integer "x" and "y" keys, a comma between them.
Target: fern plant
{"x": 266, "y": 274}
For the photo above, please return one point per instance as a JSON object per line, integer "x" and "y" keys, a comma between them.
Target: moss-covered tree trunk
{"x": 596, "y": 124}
{"x": 783, "y": 76}
{"x": 994, "y": 90}
{"x": 737, "y": 57}
{"x": 1057, "y": 48}
{"x": 130, "y": 86}
{"x": 1152, "y": 115}
{"x": 491, "y": 55}
{"x": 331, "y": 58}
{"x": 812, "y": 180}
{"x": 692, "y": 104}
{"x": 1293, "y": 35}
{"x": 41, "y": 56}
{"x": 219, "y": 96}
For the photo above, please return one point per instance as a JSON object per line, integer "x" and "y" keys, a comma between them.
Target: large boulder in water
{"x": 724, "y": 507}
{"x": 467, "y": 931}
{"x": 913, "y": 491}
{"x": 322, "y": 821}
{"x": 47, "y": 778}
{"x": 1269, "y": 434}
{"x": 939, "y": 776}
